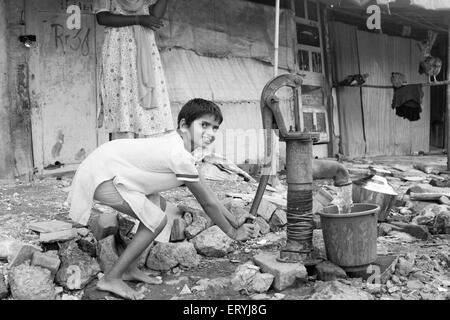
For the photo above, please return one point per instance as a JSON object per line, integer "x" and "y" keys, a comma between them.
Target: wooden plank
{"x": 343, "y": 39}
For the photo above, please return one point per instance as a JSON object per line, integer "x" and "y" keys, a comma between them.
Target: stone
{"x": 58, "y": 236}
{"x": 188, "y": 218}
{"x": 24, "y": 253}
{"x": 104, "y": 225}
{"x": 107, "y": 253}
{"x": 89, "y": 245}
{"x": 404, "y": 267}
{"x": 126, "y": 225}
{"x": 285, "y": 274}
{"x": 402, "y": 236}
{"x": 4, "y": 291}
{"x": 429, "y": 213}
{"x": 47, "y": 261}
{"x": 319, "y": 244}
{"x": 444, "y": 200}
{"x": 266, "y": 209}
{"x": 417, "y": 206}
{"x": 192, "y": 206}
{"x": 420, "y": 232}
{"x": 415, "y": 285}
{"x": 178, "y": 227}
{"x": 49, "y": 226}
{"x": 442, "y": 223}
{"x": 264, "y": 227}
{"x": 327, "y": 271}
{"x": 83, "y": 232}
{"x": 77, "y": 268}
{"x": 278, "y": 220}
{"x": 9, "y": 248}
{"x": 197, "y": 226}
{"x": 243, "y": 277}
{"x": 212, "y": 242}
{"x": 262, "y": 282}
{"x": 31, "y": 283}
{"x": 336, "y": 290}
{"x": 165, "y": 256}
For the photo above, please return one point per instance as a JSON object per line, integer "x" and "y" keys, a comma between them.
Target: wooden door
{"x": 63, "y": 83}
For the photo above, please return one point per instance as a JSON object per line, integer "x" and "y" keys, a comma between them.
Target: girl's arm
{"x": 109, "y": 19}
{"x": 158, "y": 9}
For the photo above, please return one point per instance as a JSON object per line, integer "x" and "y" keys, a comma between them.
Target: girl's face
{"x": 202, "y": 131}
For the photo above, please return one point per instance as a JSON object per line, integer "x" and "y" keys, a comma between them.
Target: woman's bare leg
{"x": 112, "y": 281}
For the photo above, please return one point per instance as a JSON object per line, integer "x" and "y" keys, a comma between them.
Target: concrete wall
{"x": 6, "y": 148}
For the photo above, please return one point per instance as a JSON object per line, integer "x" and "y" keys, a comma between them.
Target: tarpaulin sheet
{"x": 230, "y": 28}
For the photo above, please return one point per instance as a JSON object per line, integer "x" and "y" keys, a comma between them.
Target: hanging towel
{"x": 407, "y": 101}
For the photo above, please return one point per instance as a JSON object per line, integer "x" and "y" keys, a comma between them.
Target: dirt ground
{"x": 44, "y": 199}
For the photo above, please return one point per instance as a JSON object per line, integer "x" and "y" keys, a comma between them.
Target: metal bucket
{"x": 350, "y": 238}
{"x": 375, "y": 190}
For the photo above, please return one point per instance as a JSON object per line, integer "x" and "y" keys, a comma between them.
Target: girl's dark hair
{"x": 196, "y": 108}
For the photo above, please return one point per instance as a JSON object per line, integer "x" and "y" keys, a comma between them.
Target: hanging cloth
{"x": 145, "y": 72}
{"x": 407, "y": 101}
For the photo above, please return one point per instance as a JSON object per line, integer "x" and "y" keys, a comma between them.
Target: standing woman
{"x": 135, "y": 101}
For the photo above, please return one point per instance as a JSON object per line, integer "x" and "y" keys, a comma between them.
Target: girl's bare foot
{"x": 134, "y": 274}
{"x": 119, "y": 287}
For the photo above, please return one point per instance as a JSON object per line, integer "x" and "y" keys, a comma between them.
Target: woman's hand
{"x": 244, "y": 232}
{"x": 149, "y": 21}
{"x": 239, "y": 221}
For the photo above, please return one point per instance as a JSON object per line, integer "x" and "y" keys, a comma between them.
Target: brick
{"x": 49, "y": 226}
{"x": 285, "y": 274}
{"x": 178, "y": 228}
{"x": 59, "y": 236}
{"x": 266, "y": 209}
{"x": 47, "y": 261}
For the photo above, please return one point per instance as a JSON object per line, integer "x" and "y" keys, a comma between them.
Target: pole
{"x": 447, "y": 115}
{"x": 277, "y": 38}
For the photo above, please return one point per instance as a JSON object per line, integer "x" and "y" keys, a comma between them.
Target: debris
{"x": 89, "y": 245}
{"x": 327, "y": 271}
{"x": 9, "y": 248}
{"x": 77, "y": 268}
{"x": 49, "y": 226}
{"x": 58, "y": 236}
{"x": 178, "y": 228}
{"x": 444, "y": 200}
{"x": 417, "y": 231}
{"x": 47, "y": 261}
{"x": 336, "y": 290}
{"x": 285, "y": 273}
{"x": 212, "y": 242}
{"x": 266, "y": 209}
{"x": 83, "y": 232}
{"x": 104, "y": 225}
{"x": 196, "y": 227}
{"x": 31, "y": 283}
{"x": 248, "y": 278}
{"x": 402, "y": 236}
{"x": 428, "y": 214}
{"x": 415, "y": 285}
{"x": 165, "y": 256}
{"x": 404, "y": 267}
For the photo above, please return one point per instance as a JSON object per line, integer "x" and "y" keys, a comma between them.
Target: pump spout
{"x": 328, "y": 169}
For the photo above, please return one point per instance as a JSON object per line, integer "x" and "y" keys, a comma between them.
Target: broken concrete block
{"x": 165, "y": 256}
{"x": 83, "y": 232}
{"x": 49, "y": 226}
{"x": 89, "y": 245}
{"x": 126, "y": 225}
{"x": 9, "y": 248}
{"x": 264, "y": 227}
{"x": 327, "y": 271}
{"x": 58, "y": 236}
{"x": 442, "y": 223}
{"x": 266, "y": 209}
{"x": 178, "y": 227}
{"x": 278, "y": 220}
{"x": 4, "y": 291}
{"x": 77, "y": 268}
{"x": 31, "y": 283}
{"x": 404, "y": 267}
{"x": 420, "y": 232}
{"x": 47, "y": 261}
{"x": 104, "y": 225}
{"x": 415, "y": 285}
{"x": 262, "y": 282}
{"x": 247, "y": 277}
{"x": 25, "y": 253}
{"x": 197, "y": 226}
{"x": 428, "y": 214}
{"x": 336, "y": 290}
{"x": 107, "y": 254}
{"x": 285, "y": 273}
{"x": 212, "y": 242}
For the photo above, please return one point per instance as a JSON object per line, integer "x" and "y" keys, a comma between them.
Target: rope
{"x": 299, "y": 215}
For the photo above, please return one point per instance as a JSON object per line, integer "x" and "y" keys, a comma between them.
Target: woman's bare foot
{"x": 134, "y": 274}
{"x": 119, "y": 287}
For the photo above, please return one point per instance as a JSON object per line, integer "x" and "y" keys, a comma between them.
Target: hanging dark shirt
{"x": 407, "y": 101}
